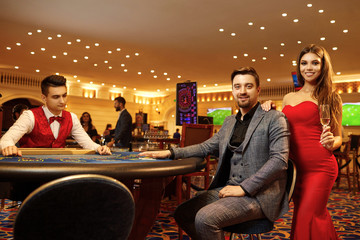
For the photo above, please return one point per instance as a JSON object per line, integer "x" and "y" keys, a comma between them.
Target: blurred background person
{"x": 89, "y": 128}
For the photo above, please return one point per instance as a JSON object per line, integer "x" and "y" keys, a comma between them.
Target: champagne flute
{"x": 324, "y": 115}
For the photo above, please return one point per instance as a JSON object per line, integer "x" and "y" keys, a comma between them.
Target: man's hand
{"x": 104, "y": 150}
{"x": 156, "y": 154}
{"x": 231, "y": 191}
{"x": 11, "y": 151}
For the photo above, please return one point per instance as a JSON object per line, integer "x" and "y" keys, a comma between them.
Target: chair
{"x": 193, "y": 134}
{"x": 354, "y": 148}
{"x": 81, "y": 207}
{"x": 343, "y": 156}
{"x": 264, "y": 225}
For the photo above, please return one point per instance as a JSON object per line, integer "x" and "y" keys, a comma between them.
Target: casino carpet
{"x": 343, "y": 206}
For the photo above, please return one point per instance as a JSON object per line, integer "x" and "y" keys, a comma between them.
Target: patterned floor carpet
{"x": 344, "y": 208}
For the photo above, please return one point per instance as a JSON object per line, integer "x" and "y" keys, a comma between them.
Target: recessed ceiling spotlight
{"x": 123, "y": 65}
{"x": 282, "y": 55}
{"x": 168, "y": 79}
{"x": 65, "y": 53}
{"x": 97, "y": 44}
{"x": 253, "y": 60}
{"x": 221, "y": 30}
{"x": 134, "y": 89}
{"x": 87, "y": 47}
{"x": 179, "y": 76}
{"x": 234, "y": 57}
{"x": 216, "y": 84}
{"x": 233, "y": 34}
{"x": 91, "y": 82}
{"x": 57, "y": 73}
{"x": 269, "y": 79}
{"x": 69, "y": 43}
{"x": 284, "y": 14}
{"x": 95, "y": 64}
{"x": 78, "y": 80}
{"x": 245, "y": 54}
{"x": 32, "y": 53}
{"x": 137, "y": 54}
{"x": 309, "y": 5}
{"x": 332, "y": 21}
{"x": 165, "y": 73}
{"x": 109, "y": 52}
{"x": 54, "y": 56}
{"x": 321, "y": 11}
{"x": 102, "y": 84}
{"x": 345, "y": 31}
{"x": 75, "y": 61}
{"x": 158, "y": 90}
{"x": 110, "y": 67}
{"x": 8, "y": 48}
{"x": 75, "y": 76}
{"x": 204, "y": 85}
{"x": 251, "y": 23}
{"x": 29, "y": 33}
{"x": 264, "y": 58}
{"x": 125, "y": 70}
{"x": 59, "y": 35}
{"x": 127, "y": 56}
{"x": 334, "y": 48}
{"x": 338, "y": 73}
{"x": 86, "y": 57}
{"x": 124, "y": 87}
{"x": 37, "y": 70}
{"x": 39, "y": 30}
{"x": 139, "y": 73}
{"x": 18, "y": 44}
{"x": 294, "y": 64}
{"x": 16, "y": 67}
{"x": 78, "y": 40}
{"x": 266, "y": 48}
{"x": 167, "y": 89}
{"x": 322, "y": 38}
{"x": 114, "y": 85}
{"x": 155, "y": 76}
{"x": 118, "y": 49}
{"x": 42, "y": 49}
{"x": 152, "y": 71}
{"x": 282, "y": 44}
{"x": 262, "y": 28}
{"x": 299, "y": 42}
{"x": 106, "y": 61}
{"x": 50, "y": 38}
{"x": 296, "y": 20}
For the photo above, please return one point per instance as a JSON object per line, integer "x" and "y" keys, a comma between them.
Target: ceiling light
{"x": 165, "y": 73}
{"x": 253, "y": 60}
{"x": 345, "y": 31}
{"x": 262, "y": 28}
{"x": 204, "y": 85}
{"x": 91, "y": 82}
{"x": 155, "y": 76}
{"x": 284, "y": 14}
{"x": 299, "y": 42}
{"x": 18, "y": 44}
{"x": 65, "y": 53}
{"x": 281, "y": 55}
{"x": 50, "y": 38}
{"x": 127, "y": 56}
{"x": 250, "y": 23}
{"x": 29, "y": 33}
{"x": 234, "y": 57}
{"x": 59, "y": 35}
{"x": 75, "y": 61}
{"x": 114, "y": 85}
{"x": 16, "y": 67}
{"x": 102, "y": 84}
{"x": 152, "y": 71}
{"x": 123, "y": 65}
{"x": 309, "y": 5}
{"x": 321, "y": 11}
{"x": 322, "y": 38}
{"x": 179, "y": 76}
{"x": 265, "y": 48}
{"x": 296, "y": 20}
{"x": 216, "y": 84}
{"x": 124, "y": 87}
{"x": 134, "y": 89}
{"x": 158, "y": 90}
{"x": 264, "y": 58}
{"x": 109, "y": 52}
{"x": 42, "y": 49}
{"x": 268, "y": 79}
{"x": 137, "y": 54}
{"x": 233, "y": 34}
{"x": 332, "y": 21}
{"x": 69, "y": 43}
{"x": 334, "y": 48}
{"x": 125, "y": 70}
{"x": 37, "y": 70}
{"x": 282, "y": 44}
{"x": 97, "y": 44}
{"x": 86, "y": 57}
{"x": 168, "y": 79}
{"x": 245, "y": 54}
{"x": 221, "y": 30}
{"x": 32, "y": 53}
{"x": 338, "y": 73}
{"x": 54, "y": 56}
{"x": 8, "y": 48}
{"x": 106, "y": 61}
{"x": 110, "y": 67}
{"x": 87, "y": 47}
{"x": 39, "y": 30}
{"x": 167, "y": 89}
{"x": 139, "y": 73}
{"x": 78, "y": 40}
{"x": 95, "y": 64}
{"x": 78, "y": 80}
{"x": 75, "y": 76}
{"x": 118, "y": 49}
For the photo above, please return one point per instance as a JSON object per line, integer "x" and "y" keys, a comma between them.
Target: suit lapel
{"x": 258, "y": 116}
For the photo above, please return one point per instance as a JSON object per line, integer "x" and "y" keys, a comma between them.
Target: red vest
{"x": 41, "y": 136}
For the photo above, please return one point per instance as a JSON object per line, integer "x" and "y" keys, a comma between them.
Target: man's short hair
{"x": 52, "y": 81}
{"x": 246, "y": 71}
{"x": 120, "y": 100}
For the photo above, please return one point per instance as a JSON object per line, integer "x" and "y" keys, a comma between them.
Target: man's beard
{"x": 117, "y": 109}
{"x": 242, "y": 104}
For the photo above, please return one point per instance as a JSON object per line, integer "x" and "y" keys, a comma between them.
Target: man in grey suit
{"x": 250, "y": 180}
{"x": 123, "y": 127}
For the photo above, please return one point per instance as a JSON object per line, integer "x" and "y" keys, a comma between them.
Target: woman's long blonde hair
{"x": 323, "y": 92}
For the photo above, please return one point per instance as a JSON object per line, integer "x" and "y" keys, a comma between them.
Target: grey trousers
{"x": 204, "y": 216}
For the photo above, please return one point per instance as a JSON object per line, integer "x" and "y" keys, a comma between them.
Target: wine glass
{"x": 324, "y": 114}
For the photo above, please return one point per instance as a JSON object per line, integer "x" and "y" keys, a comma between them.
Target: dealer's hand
{"x": 11, "y": 151}
{"x": 104, "y": 150}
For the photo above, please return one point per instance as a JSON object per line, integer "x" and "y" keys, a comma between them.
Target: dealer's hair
{"x": 52, "y": 81}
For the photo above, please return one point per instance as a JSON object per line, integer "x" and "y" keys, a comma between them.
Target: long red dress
{"x": 316, "y": 173}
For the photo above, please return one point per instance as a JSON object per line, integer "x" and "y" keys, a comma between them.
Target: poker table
{"x": 145, "y": 177}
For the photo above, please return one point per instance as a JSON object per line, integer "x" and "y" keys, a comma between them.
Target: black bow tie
{"x": 59, "y": 119}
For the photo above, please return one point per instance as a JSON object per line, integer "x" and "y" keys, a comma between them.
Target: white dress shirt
{"x": 25, "y": 124}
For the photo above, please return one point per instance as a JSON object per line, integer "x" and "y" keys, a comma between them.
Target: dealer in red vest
{"x": 48, "y": 126}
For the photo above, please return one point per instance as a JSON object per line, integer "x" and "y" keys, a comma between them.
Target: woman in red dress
{"x": 311, "y": 144}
